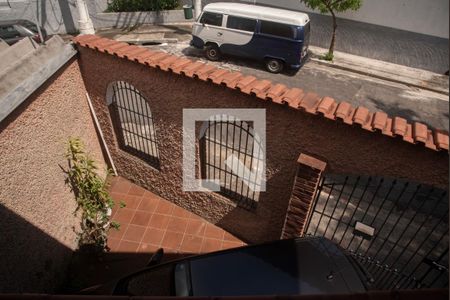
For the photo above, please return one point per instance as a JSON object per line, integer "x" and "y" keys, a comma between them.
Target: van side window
{"x": 211, "y": 19}
{"x": 241, "y": 23}
{"x": 277, "y": 29}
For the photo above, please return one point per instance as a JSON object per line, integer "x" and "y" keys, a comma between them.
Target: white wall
{"x": 429, "y": 17}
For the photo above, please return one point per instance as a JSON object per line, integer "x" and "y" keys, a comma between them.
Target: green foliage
{"x": 91, "y": 195}
{"x": 325, "y": 6}
{"x": 329, "y": 56}
{"x": 141, "y": 5}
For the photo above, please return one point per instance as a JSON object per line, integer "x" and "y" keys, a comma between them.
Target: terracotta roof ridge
{"x": 415, "y": 133}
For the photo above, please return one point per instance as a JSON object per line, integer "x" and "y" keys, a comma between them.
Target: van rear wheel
{"x": 274, "y": 65}
{"x": 213, "y": 52}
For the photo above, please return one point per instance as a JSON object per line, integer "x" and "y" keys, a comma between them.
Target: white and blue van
{"x": 278, "y": 37}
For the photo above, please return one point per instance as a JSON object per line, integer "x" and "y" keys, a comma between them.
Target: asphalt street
{"x": 395, "y": 99}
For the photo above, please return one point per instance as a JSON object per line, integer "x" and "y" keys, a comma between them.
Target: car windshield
{"x": 155, "y": 282}
{"x": 283, "y": 268}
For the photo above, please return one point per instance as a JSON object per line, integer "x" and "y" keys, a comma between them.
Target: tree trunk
{"x": 333, "y": 37}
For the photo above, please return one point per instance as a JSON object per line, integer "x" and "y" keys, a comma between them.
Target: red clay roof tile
{"x": 278, "y": 93}
{"x": 245, "y": 81}
{"x": 379, "y": 120}
{"x": 399, "y": 126}
{"x": 310, "y": 102}
{"x": 142, "y": 57}
{"x": 430, "y": 140}
{"x": 135, "y": 53}
{"x": 293, "y": 97}
{"x": 164, "y": 64}
{"x": 231, "y": 79}
{"x": 327, "y": 107}
{"x": 345, "y": 112}
{"x": 420, "y": 132}
{"x": 275, "y": 92}
{"x": 388, "y": 128}
{"x": 259, "y": 89}
{"x": 190, "y": 69}
{"x": 408, "y": 137}
{"x": 178, "y": 65}
{"x": 217, "y": 76}
{"x": 203, "y": 72}
{"x": 441, "y": 139}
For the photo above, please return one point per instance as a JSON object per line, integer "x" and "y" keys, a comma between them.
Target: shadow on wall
{"x": 24, "y": 270}
{"x": 32, "y": 261}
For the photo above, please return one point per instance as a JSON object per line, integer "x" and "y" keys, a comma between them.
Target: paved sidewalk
{"x": 384, "y": 70}
{"x": 149, "y": 222}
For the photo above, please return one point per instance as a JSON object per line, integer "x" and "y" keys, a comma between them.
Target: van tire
{"x": 274, "y": 65}
{"x": 212, "y": 52}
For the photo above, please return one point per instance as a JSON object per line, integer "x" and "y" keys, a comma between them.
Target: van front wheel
{"x": 274, "y": 65}
{"x": 212, "y": 52}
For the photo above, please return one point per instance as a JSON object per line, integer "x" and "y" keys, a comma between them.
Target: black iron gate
{"x": 396, "y": 229}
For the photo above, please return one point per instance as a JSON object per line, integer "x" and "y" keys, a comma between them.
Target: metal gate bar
{"x": 402, "y": 236}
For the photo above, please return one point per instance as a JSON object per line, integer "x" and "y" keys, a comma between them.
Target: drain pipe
{"x": 97, "y": 125}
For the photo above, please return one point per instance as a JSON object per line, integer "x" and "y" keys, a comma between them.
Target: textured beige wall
{"x": 36, "y": 208}
{"x": 346, "y": 149}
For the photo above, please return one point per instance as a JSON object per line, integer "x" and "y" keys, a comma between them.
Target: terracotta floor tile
{"x": 121, "y": 186}
{"x": 147, "y": 248}
{"x": 229, "y": 237}
{"x": 229, "y": 245}
{"x": 148, "y": 204}
{"x": 134, "y": 233}
{"x": 117, "y": 233}
{"x": 159, "y": 221}
{"x": 131, "y": 202}
{"x": 164, "y": 207}
{"x": 136, "y": 190}
{"x": 113, "y": 244}
{"x": 124, "y": 215}
{"x": 196, "y": 227}
{"x": 172, "y": 240}
{"x": 141, "y": 218}
{"x": 127, "y": 247}
{"x": 191, "y": 244}
{"x": 211, "y": 245}
{"x": 180, "y": 212}
{"x": 213, "y": 231}
{"x": 153, "y": 236}
{"x": 177, "y": 224}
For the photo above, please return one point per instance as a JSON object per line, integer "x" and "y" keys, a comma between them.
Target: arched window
{"x": 221, "y": 141}
{"x": 133, "y": 122}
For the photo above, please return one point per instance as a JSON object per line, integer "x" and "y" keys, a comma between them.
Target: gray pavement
{"x": 382, "y": 43}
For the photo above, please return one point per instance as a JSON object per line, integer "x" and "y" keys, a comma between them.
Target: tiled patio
{"x": 149, "y": 222}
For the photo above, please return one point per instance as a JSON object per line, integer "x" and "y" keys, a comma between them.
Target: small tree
{"x": 333, "y": 6}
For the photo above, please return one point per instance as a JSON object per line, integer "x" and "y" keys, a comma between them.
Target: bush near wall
{"x": 141, "y": 5}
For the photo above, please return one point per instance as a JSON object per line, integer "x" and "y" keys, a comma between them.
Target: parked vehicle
{"x": 286, "y": 267}
{"x": 278, "y": 37}
{"x": 14, "y": 30}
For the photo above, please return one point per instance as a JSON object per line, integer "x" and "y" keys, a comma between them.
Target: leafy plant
{"x": 332, "y": 6}
{"x": 141, "y": 5}
{"x": 328, "y": 56}
{"x": 92, "y": 197}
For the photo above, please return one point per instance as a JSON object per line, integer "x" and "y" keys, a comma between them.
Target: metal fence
{"x": 397, "y": 230}
{"x": 133, "y": 123}
{"x": 221, "y": 140}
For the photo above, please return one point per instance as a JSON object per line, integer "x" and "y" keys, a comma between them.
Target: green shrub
{"x": 141, "y": 5}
